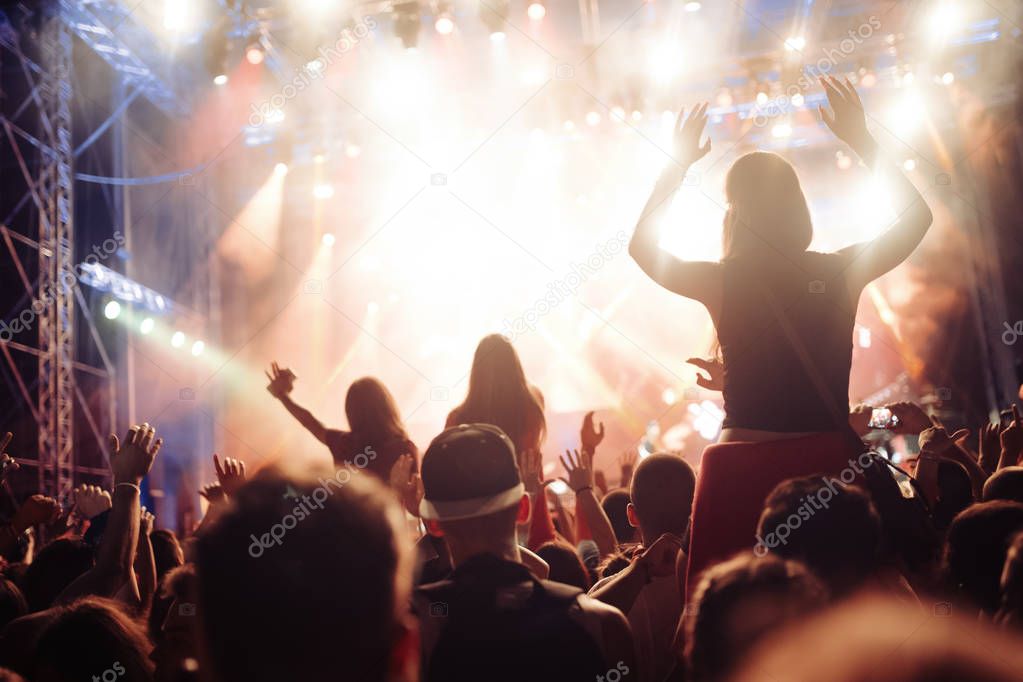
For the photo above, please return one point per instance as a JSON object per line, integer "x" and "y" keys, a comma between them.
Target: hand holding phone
{"x": 883, "y": 418}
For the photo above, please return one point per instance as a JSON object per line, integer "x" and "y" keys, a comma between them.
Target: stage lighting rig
{"x": 494, "y": 14}
{"x": 406, "y": 23}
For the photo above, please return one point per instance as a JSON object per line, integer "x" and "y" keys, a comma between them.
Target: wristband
{"x": 585, "y": 487}
{"x": 132, "y": 485}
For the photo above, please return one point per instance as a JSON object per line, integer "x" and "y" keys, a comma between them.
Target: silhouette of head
{"x": 372, "y": 413}
{"x": 766, "y": 207}
{"x": 662, "y": 496}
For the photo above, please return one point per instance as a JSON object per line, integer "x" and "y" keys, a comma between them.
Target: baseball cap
{"x": 469, "y": 471}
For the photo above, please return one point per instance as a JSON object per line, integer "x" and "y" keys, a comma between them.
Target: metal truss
{"x": 45, "y": 155}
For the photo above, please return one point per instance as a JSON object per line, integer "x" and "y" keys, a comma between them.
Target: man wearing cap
{"x": 492, "y": 619}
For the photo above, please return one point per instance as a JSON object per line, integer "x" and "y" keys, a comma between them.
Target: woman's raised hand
{"x": 847, "y": 121}
{"x": 686, "y": 146}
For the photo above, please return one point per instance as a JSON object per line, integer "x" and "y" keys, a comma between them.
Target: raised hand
{"x": 847, "y": 121}
{"x": 579, "y": 467}
{"x": 213, "y": 494}
{"x": 627, "y": 465}
{"x": 146, "y": 520}
{"x": 715, "y": 369}
{"x": 407, "y": 485}
{"x": 686, "y": 148}
{"x": 282, "y": 381}
{"x": 231, "y": 475}
{"x": 590, "y": 437}
{"x": 912, "y": 418}
{"x": 990, "y": 448}
{"x": 531, "y": 470}
{"x": 35, "y": 510}
{"x": 7, "y": 463}
{"x": 91, "y": 501}
{"x": 1012, "y": 440}
{"x": 130, "y": 461}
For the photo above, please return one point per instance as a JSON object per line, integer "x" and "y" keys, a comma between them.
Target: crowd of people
{"x": 792, "y": 552}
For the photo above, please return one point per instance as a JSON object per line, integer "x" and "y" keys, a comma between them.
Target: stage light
{"x": 843, "y": 160}
{"x": 197, "y": 348}
{"x": 945, "y": 19}
{"x": 275, "y": 116}
{"x": 569, "y": 126}
{"x": 254, "y": 54}
{"x": 909, "y": 165}
{"x": 319, "y": 158}
{"x": 724, "y": 98}
{"x": 323, "y": 191}
{"x": 693, "y": 6}
{"x": 948, "y": 78}
{"x": 406, "y": 23}
{"x": 797, "y": 100}
{"x": 669, "y": 396}
{"x": 558, "y": 487}
{"x": 908, "y": 113}
{"x": 146, "y": 325}
{"x": 178, "y": 15}
{"x": 536, "y": 11}
{"x": 493, "y": 14}
{"x": 869, "y": 80}
{"x": 314, "y": 65}
{"x": 761, "y": 98}
{"x": 781, "y": 130}
{"x": 352, "y": 151}
{"x": 617, "y": 114}
{"x": 637, "y": 115}
{"x": 497, "y": 37}
{"x": 178, "y": 339}
{"x": 373, "y": 308}
{"x": 795, "y": 44}
{"x": 281, "y": 169}
{"x": 112, "y": 310}
{"x": 327, "y": 239}
{"x": 592, "y": 118}
{"x": 220, "y": 79}
{"x": 444, "y": 25}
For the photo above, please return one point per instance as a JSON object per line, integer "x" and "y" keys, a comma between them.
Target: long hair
{"x": 500, "y": 395}
{"x": 372, "y": 413}
{"x": 766, "y": 207}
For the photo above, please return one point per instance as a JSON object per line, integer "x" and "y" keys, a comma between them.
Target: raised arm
{"x": 697, "y": 280}
{"x": 870, "y": 260}
{"x": 281, "y": 383}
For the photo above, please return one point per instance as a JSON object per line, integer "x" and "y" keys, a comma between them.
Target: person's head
{"x": 176, "y": 651}
{"x": 500, "y": 395}
{"x": 616, "y": 506}
{"x": 832, "y": 528}
{"x": 739, "y": 602}
{"x": 975, "y": 548}
{"x": 955, "y": 492}
{"x": 373, "y": 415}
{"x": 92, "y": 638}
{"x": 473, "y": 493}
{"x": 766, "y": 207}
{"x": 1010, "y": 609}
{"x": 167, "y": 551}
{"x": 871, "y": 639}
{"x": 1005, "y": 484}
{"x": 565, "y": 565}
{"x": 303, "y": 576}
{"x": 54, "y": 568}
{"x": 12, "y": 602}
{"x": 662, "y": 496}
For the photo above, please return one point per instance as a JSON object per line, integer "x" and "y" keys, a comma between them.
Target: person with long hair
{"x": 376, "y": 438}
{"x": 784, "y": 315}
{"x": 500, "y": 395}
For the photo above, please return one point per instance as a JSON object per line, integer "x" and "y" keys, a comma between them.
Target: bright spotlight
{"x": 220, "y": 79}
{"x": 908, "y": 113}
{"x": 669, "y": 396}
{"x": 352, "y": 151}
{"x": 444, "y": 25}
{"x": 328, "y": 239}
{"x": 909, "y": 165}
{"x": 948, "y": 78}
{"x": 178, "y": 339}
{"x": 323, "y": 191}
{"x": 795, "y": 44}
{"x": 146, "y": 325}
{"x": 637, "y": 115}
{"x": 592, "y": 118}
{"x": 797, "y": 100}
{"x": 693, "y": 6}
{"x": 497, "y": 37}
{"x": 536, "y": 11}
{"x": 281, "y": 169}
{"x": 177, "y": 14}
{"x": 568, "y": 126}
{"x": 254, "y": 54}
{"x": 112, "y": 310}
{"x": 843, "y": 160}
{"x": 945, "y": 19}
{"x": 197, "y": 348}
{"x": 275, "y": 116}
{"x": 761, "y": 98}
{"x": 314, "y": 66}
{"x": 781, "y": 130}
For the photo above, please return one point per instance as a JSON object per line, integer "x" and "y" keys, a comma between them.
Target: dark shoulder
{"x": 339, "y": 442}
